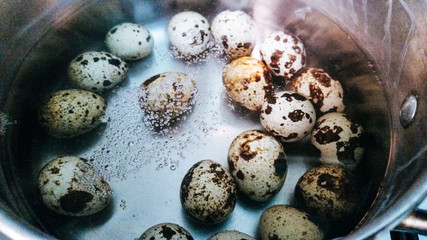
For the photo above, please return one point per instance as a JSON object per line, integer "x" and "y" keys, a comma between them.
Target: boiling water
{"x": 145, "y": 167}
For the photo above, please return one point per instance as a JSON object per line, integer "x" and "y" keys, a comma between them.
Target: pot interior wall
{"x": 145, "y": 168}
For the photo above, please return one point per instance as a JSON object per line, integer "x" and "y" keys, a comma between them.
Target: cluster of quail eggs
{"x": 310, "y": 106}
{"x": 68, "y": 184}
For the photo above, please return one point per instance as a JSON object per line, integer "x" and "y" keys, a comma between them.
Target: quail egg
{"x": 339, "y": 140}
{"x": 329, "y": 191}
{"x": 166, "y": 96}
{"x": 129, "y": 41}
{"x": 97, "y": 71}
{"x": 166, "y": 231}
{"x": 70, "y": 186}
{"x": 288, "y": 115}
{"x": 230, "y": 235}
{"x": 283, "y": 54}
{"x": 258, "y": 164}
{"x": 208, "y": 192}
{"x": 189, "y": 32}
{"x": 69, "y": 113}
{"x": 235, "y": 32}
{"x": 325, "y": 93}
{"x": 248, "y": 82}
{"x": 283, "y": 222}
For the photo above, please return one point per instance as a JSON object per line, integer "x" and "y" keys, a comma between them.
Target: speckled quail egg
{"x": 70, "y": 186}
{"x": 339, "y": 140}
{"x": 166, "y": 96}
{"x": 288, "y": 115}
{"x": 166, "y": 231}
{"x": 230, "y": 235}
{"x": 129, "y": 41}
{"x": 235, "y": 32}
{"x": 208, "y": 192}
{"x": 248, "y": 82}
{"x": 283, "y": 53}
{"x": 69, "y": 113}
{"x": 97, "y": 71}
{"x": 283, "y": 222}
{"x": 329, "y": 191}
{"x": 189, "y": 32}
{"x": 325, "y": 93}
{"x": 258, "y": 164}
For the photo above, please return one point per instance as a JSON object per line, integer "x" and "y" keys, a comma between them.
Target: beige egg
{"x": 189, "y": 32}
{"x": 248, "y": 82}
{"x": 288, "y": 115}
{"x": 322, "y": 90}
{"x": 283, "y": 53}
{"x": 69, "y": 113}
{"x": 284, "y": 222}
{"x": 329, "y": 191}
{"x": 70, "y": 186}
{"x": 258, "y": 164}
{"x": 339, "y": 140}
{"x": 166, "y": 231}
{"x": 230, "y": 235}
{"x": 129, "y": 41}
{"x": 97, "y": 71}
{"x": 208, "y": 192}
{"x": 235, "y": 31}
{"x": 166, "y": 96}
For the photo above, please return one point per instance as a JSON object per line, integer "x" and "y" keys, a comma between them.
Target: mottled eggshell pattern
{"x": 69, "y": 186}
{"x": 248, "y": 82}
{"x": 230, "y": 235}
{"x": 339, "y": 140}
{"x": 283, "y": 222}
{"x": 258, "y": 164}
{"x": 129, "y": 41}
{"x": 97, "y": 71}
{"x": 208, "y": 192}
{"x": 235, "y": 32}
{"x": 288, "y": 115}
{"x": 283, "y": 53}
{"x": 69, "y": 113}
{"x": 166, "y": 96}
{"x": 328, "y": 191}
{"x": 189, "y": 32}
{"x": 166, "y": 231}
{"x": 325, "y": 93}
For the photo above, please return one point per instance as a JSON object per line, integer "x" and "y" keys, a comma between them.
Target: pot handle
{"x": 416, "y": 222}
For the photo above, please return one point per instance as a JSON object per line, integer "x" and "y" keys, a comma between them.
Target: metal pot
{"x": 377, "y": 50}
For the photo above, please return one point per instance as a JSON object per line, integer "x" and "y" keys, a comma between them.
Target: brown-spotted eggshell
{"x": 288, "y": 115}
{"x": 208, "y": 192}
{"x": 97, "y": 71}
{"x": 235, "y": 32}
{"x": 72, "y": 112}
{"x": 248, "y": 82}
{"x": 287, "y": 223}
{"x": 129, "y": 41}
{"x": 258, "y": 164}
{"x": 329, "y": 191}
{"x": 70, "y": 186}
{"x": 283, "y": 53}
{"x": 339, "y": 140}
{"x": 166, "y": 231}
{"x": 325, "y": 93}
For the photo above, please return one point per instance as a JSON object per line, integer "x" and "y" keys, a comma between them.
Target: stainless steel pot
{"x": 376, "y": 48}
